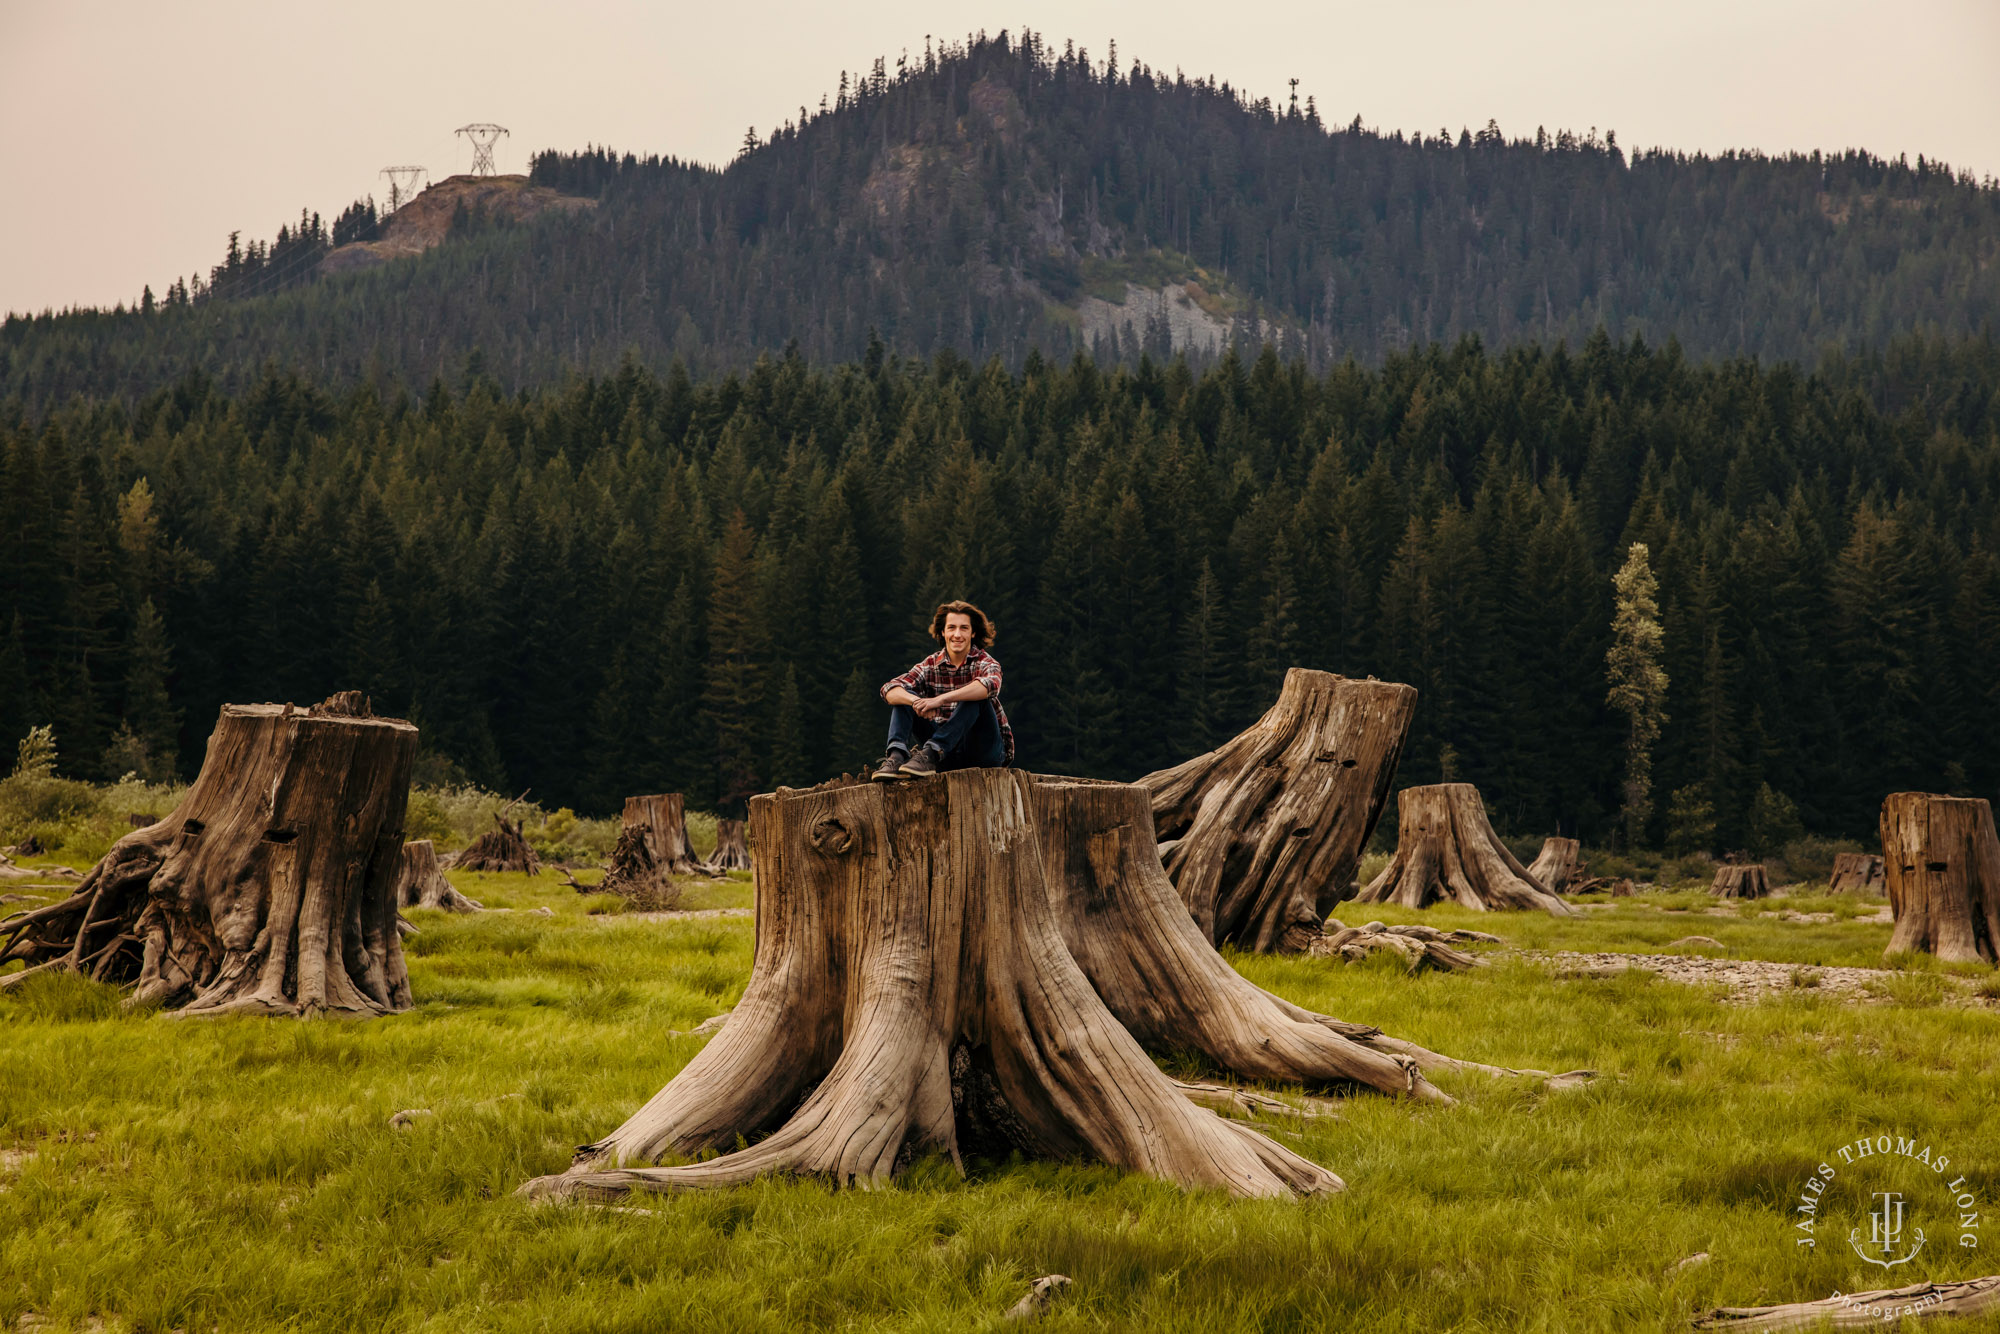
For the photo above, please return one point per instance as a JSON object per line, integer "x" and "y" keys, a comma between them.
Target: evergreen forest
{"x": 973, "y": 195}
{"x": 664, "y": 581}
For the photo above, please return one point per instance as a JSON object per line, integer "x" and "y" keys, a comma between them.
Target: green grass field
{"x": 159, "y": 1174}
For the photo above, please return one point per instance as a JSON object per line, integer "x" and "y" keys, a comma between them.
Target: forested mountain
{"x": 980, "y": 195}
{"x": 657, "y": 582}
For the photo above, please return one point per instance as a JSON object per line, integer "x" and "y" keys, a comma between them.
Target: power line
{"x": 404, "y": 183}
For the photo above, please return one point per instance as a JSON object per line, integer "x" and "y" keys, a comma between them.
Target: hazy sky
{"x": 136, "y": 134}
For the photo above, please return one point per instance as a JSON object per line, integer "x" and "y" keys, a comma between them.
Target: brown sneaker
{"x": 923, "y": 764}
{"x": 891, "y": 767}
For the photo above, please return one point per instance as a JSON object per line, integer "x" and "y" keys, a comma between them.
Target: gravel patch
{"x": 1746, "y": 981}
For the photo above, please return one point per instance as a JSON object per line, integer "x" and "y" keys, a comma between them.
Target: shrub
{"x": 33, "y": 800}
{"x": 1811, "y": 857}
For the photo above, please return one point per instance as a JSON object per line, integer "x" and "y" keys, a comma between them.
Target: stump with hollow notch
{"x": 1740, "y": 881}
{"x": 732, "y": 851}
{"x": 1261, "y": 836}
{"x": 270, "y": 889}
{"x": 1856, "y": 873}
{"x": 1558, "y": 865}
{"x": 421, "y": 884}
{"x": 1446, "y": 849}
{"x": 912, "y": 991}
{"x": 1941, "y": 863}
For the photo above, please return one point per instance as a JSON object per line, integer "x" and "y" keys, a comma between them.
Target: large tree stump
{"x": 1446, "y": 849}
{"x": 1261, "y": 836}
{"x": 1857, "y": 873}
{"x": 660, "y": 821}
{"x": 732, "y": 852}
{"x": 1941, "y": 862}
{"x": 1740, "y": 881}
{"x": 420, "y": 881}
{"x": 912, "y": 991}
{"x": 1123, "y": 923}
{"x": 270, "y": 889}
{"x": 1556, "y": 867}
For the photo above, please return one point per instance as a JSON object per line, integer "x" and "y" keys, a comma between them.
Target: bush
{"x": 34, "y": 801}
{"x": 1811, "y": 857}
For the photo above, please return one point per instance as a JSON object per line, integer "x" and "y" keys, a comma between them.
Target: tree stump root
{"x": 912, "y": 993}
{"x": 983, "y": 960}
{"x": 270, "y": 889}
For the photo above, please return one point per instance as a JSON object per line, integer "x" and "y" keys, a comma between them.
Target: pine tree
{"x": 789, "y": 765}
{"x": 1638, "y": 682}
{"x": 149, "y": 709}
{"x": 734, "y": 698}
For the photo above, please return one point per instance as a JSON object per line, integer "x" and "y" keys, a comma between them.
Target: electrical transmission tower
{"x": 482, "y": 137}
{"x": 404, "y": 182}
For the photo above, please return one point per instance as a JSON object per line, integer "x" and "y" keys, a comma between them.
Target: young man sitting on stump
{"x": 944, "y": 713}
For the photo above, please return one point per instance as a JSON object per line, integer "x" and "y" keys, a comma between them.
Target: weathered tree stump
{"x": 1740, "y": 881}
{"x": 501, "y": 848}
{"x": 912, "y": 991}
{"x": 660, "y": 821}
{"x": 1556, "y": 867}
{"x": 270, "y": 889}
{"x": 1857, "y": 873}
{"x": 1446, "y": 849}
{"x": 421, "y": 883}
{"x": 1941, "y": 863}
{"x": 732, "y": 852}
{"x": 1261, "y": 836}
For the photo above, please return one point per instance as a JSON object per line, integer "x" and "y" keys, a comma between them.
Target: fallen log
{"x": 1873, "y": 1309}
{"x": 912, "y": 991}
{"x": 1857, "y": 873}
{"x": 1446, "y": 849}
{"x": 1417, "y": 947}
{"x": 1738, "y": 881}
{"x": 271, "y": 887}
{"x": 732, "y": 853}
{"x": 1557, "y": 867}
{"x": 421, "y": 884}
{"x": 1261, "y": 836}
{"x": 1941, "y": 866}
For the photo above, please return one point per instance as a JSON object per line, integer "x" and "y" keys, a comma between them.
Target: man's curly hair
{"x": 983, "y": 632}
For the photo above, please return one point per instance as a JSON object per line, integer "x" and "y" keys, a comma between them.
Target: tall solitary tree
{"x": 1638, "y": 681}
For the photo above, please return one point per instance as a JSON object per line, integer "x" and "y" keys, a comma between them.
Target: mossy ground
{"x": 159, "y": 1174}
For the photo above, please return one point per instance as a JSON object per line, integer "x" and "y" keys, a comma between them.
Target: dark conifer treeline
{"x": 970, "y": 198}
{"x": 652, "y": 583}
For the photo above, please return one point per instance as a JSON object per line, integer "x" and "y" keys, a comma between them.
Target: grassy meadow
{"x": 221, "y": 1175}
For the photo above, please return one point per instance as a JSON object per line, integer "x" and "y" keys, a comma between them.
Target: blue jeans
{"x": 969, "y": 738}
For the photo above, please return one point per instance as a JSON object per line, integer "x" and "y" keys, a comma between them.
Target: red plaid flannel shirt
{"x": 935, "y": 676}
